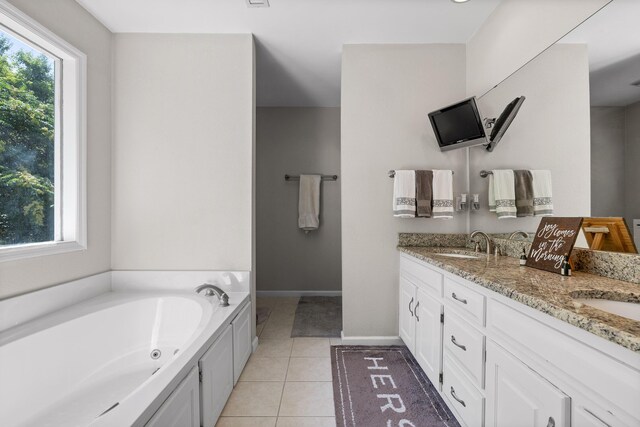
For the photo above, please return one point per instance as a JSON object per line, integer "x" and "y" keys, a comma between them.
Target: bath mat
{"x": 318, "y": 317}
{"x": 400, "y": 383}
{"x": 262, "y": 314}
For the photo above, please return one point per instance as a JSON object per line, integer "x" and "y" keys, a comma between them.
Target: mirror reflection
{"x": 580, "y": 122}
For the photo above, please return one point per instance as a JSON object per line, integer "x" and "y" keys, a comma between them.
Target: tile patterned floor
{"x": 287, "y": 381}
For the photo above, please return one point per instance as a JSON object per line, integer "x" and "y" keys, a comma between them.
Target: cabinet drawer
{"x": 466, "y": 344}
{"x": 470, "y": 303}
{"x": 463, "y": 397}
{"x": 428, "y": 279}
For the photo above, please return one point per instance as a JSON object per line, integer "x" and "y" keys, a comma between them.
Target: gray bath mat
{"x": 359, "y": 400}
{"x": 318, "y": 317}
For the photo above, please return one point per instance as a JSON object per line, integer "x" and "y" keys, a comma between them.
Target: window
{"x": 42, "y": 140}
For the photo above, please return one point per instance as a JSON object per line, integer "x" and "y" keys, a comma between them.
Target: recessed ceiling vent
{"x": 636, "y": 83}
{"x": 257, "y": 3}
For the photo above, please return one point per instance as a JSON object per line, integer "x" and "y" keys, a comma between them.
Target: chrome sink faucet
{"x": 210, "y": 290}
{"x": 519, "y": 232}
{"x": 483, "y": 234}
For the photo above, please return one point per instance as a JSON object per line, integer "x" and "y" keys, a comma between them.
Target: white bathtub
{"x": 120, "y": 348}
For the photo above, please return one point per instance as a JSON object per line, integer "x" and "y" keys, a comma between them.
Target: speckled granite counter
{"x": 547, "y": 292}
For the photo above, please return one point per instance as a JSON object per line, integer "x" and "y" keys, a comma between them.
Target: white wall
{"x": 551, "y": 132}
{"x": 387, "y": 92}
{"x": 296, "y": 141}
{"x": 183, "y": 152}
{"x": 70, "y": 21}
{"x": 516, "y": 32}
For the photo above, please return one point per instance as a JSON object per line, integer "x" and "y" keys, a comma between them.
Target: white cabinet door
{"x": 519, "y": 397}
{"x": 242, "y": 345}
{"x": 216, "y": 373}
{"x": 428, "y": 342}
{"x": 181, "y": 409}
{"x": 407, "y": 322}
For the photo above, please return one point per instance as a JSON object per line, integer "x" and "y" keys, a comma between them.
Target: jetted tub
{"x": 108, "y": 361}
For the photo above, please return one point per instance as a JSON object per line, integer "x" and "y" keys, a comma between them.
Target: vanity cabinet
{"x": 420, "y": 320}
{"x": 499, "y": 363}
{"x": 518, "y": 396}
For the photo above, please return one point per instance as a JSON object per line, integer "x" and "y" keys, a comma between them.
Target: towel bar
{"x": 484, "y": 173}
{"x": 392, "y": 173}
{"x": 324, "y": 177}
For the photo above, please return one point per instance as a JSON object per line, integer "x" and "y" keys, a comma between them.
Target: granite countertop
{"x": 547, "y": 292}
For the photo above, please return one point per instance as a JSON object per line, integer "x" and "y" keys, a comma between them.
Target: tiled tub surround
{"x": 544, "y": 291}
{"x": 613, "y": 265}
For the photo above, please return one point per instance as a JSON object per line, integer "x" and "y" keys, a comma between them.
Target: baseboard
{"x": 355, "y": 340}
{"x": 266, "y": 294}
{"x": 255, "y": 344}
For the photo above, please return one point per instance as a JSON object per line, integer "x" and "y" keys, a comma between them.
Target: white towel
{"x": 504, "y": 193}
{"x": 492, "y": 195}
{"x": 404, "y": 194}
{"x": 309, "y": 202}
{"x": 542, "y": 195}
{"x": 442, "y": 194}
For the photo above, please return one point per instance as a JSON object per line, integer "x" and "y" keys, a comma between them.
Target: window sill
{"x": 13, "y": 253}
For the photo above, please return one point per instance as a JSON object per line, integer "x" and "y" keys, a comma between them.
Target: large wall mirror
{"x": 580, "y": 120}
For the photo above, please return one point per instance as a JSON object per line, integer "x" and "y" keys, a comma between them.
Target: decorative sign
{"x": 555, "y": 238}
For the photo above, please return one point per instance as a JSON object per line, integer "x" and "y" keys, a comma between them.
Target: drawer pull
{"x": 551, "y": 423}
{"x": 460, "y": 401}
{"x": 416, "y": 311}
{"x": 453, "y": 340}
{"x": 455, "y": 297}
{"x": 411, "y": 302}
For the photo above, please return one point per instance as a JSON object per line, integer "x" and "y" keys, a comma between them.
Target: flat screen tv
{"x": 458, "y": 125}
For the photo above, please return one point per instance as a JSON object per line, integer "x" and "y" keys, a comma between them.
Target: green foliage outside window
{"x": 27, "y": 144}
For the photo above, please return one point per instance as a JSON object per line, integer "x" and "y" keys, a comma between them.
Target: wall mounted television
{"x": 458, "y": 125}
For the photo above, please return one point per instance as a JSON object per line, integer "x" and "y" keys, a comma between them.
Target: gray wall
{"x": 69, "y": 20}
{"x": 632, "y": 163}
{"x": 615, "y": 153}
{"x": 607, "y": 161}
{"x": 387, "y": 92}
{"x": 294, "y": 141}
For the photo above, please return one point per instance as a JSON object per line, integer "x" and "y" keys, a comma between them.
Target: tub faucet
{"x": 483, "y": 234}
{"x": 518, "y": 232}
{"x": 210, "y": 290}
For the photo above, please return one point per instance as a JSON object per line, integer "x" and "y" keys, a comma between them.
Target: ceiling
{"x": 299, "y": 42}
{"x": 613, "y": 39}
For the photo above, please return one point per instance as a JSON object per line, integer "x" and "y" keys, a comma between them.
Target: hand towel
{"x": 524, "y": 192}
{"x": 504, "y": 193}
{"x": 424, "y": 187}
{"x": 443, "y": 194}
{"x": 542, "y": 195}
{"x": 309, "y": 202}
{"x": 492, "y": 195}
{"x": 404, "y": 194}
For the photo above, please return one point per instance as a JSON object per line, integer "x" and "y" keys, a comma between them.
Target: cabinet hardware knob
{"x": 453, "y": 340}
{"x": 411, "y": 302}
{"x": 455, "y": 297}
{"x": 453, "y": 393}
{"x": 551, "y": 423}
{"x": 415, "y": 310}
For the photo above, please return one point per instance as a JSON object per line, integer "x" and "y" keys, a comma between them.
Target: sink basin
{"x": 629, "y": 310}
{"x": 457, "y": 255}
